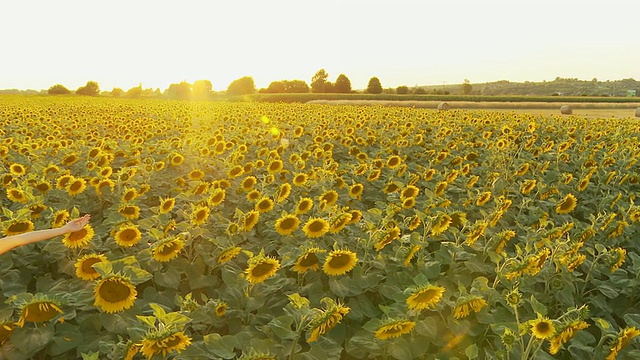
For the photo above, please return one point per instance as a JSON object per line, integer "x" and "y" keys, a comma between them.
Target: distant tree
{"x": 134, "y": 92}
{"x": 374, "y": 86}
{"x": 242, "y": 86}
{"x": 466, "y": 87}
{"x": 402, "y": 90}
{"x": 419, "y": 91}
{"x": 343, "y": 85}
{"x": 287, "y": 86}
{"x": 181, "y": 91}
{"x": 202, "y": 89}
{"x": 276, "y": 87}
{"x": 90, "y": 89}
{"x": 318, "y": 80}
{"x": 117, "y": 92}
{"x": 328, "y": 87}
{"x": 58, "y": 90}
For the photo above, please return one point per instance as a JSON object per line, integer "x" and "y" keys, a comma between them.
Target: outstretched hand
{"x": 77, "y": 224}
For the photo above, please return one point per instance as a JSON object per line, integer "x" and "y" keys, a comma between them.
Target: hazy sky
{"x": 123, "y": 43}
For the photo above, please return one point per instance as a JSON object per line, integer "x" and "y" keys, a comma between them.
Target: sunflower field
{"x": 307, "y": 231}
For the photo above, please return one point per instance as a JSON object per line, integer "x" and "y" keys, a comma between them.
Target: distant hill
{"x": 559, "y": 86}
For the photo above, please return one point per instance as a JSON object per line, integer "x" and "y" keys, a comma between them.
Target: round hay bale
{"x": 638, "y": 112}
{"x": 566, "y": 110}
{"x": 443, "y": 106}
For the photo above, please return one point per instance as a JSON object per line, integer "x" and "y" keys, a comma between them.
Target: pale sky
{"x": 122, "y": 43}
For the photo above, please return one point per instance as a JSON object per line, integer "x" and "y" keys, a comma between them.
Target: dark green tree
{"x": 402, "y": 90}
{"x": 342, "y": 85}
{"x": 318, "y": 80}
{"x": 242, "y": 86}
{"x": 90, "y": 89}
{"x": 419, "y": 91}
{"x": 466, "y": 87}
{"x": 374, "y": 86}
{"x": 58, "y": 90}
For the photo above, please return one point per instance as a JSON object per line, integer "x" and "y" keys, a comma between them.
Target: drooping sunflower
{"x": 41, "y": 308}
{"x": 217, "y": 196}
{"x": 114, "y": 294}
{"x": 228, "y": 254}
{"x": 265, "y": 204}
{"x": 326, "y": 319}
{"x": 624, "y": 338}
{"x": 483, "y": 198}
{"x": 339, "y": 262}
{"x": 355, "y": 191}
{"x": 260, "y": 268}
{"x": 308, "y": 261}
{"x": 166, "y": 205}
{"x": 465, "y": 305}
{"x": 249, "y": 220}
{"x": 542, "y": 328}
{"x": 316, "y": 227}
{"x": 304, "y": 205}
{"x": 394, "y": 328}
{"x": 284, "y": 190}
{"x": 388, "y": 236}
{"x": 70, "y": 159}
{"x": 128, "y": 235}
{"x": 167, "y": 248}
{"x": 440, "y": 188}
{"x": 523, "y": 169}
{"x": 63, "y": 180}
{"x": 130, "y": 212}
{"x": 391, "y": 188}
{"x": 565, "y": 335}
{"x": 17, "y": 227}
{"x": 80, "y": 238}
{"x": 356, "y": 215}
{"x": 583, "y": 184}
{"x": 76, "y": 186}
{"x": 528, "y": 186}
{"x": 411, "y": 254}
{"x": 164, "y": 343}
{"x": 408, "y": 203}
{"x": 441, "y": 224}
{"x": 6, "y": 328}
{"x": 425, "y": 297}
{"x": 287, "y": 224}
{"x": 567, "y": 204}
{"x": 84, "y": 266}
{"x": 235, "y": 171}
{"x": 339, "y": 222}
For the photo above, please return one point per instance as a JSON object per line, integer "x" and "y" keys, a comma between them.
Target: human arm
{"x": 10, "y": 242}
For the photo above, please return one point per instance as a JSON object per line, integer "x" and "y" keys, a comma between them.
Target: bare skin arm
{"x": 11, "y": 242}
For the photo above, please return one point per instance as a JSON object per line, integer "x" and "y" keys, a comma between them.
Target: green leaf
{"x": 282, "y": 327}
{"x": 400, "y": 349}
{"x": 608, "y": 291}
{"x": 91, "y": 356}
{"x": 427, "y": 327}
{"x": 31, "y": 340}
{"x": 222, "y": 346}
{"x": 136, "y": 274}
{"x": 471, "y": 351}
{"x": 169, "y": 279}
{"x": 537, "y": 306}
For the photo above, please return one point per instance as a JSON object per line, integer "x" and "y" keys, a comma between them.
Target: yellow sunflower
{"x": 315, "y": 227}
{"x": 248, "y": 183}
{"x": 167, "y": 249}
{"x": 528, "y": 186}
{"x": 440, "y": 188}
{"x": 63, "y": 180}
{"x": 260, "y": 268}
{"x": 43, "y": 186}
{"x": 275, "y": 166}
{"x": 287, "y": 224}
{"x": 388, "y": 236}
{"x": 128, "y": 195}
{"x": 304, "y": 205}
{"x": 624, "y": 338}
{"x": 235, "y": 171}
{"x": 130, "y": 212}
{"x": 567, "y": 204}
{"x": 409, "y": 191}
{"x": 339, "y": 222}
{"x": 114, "y": 294}
{"x": 228, "y": 254}
{"x": 249, "y": 220}
{"x": 217, "y": 196}
{"x": 284, "y": 190}
{"x": 356, "y": 215}
{"x": 176, "y": 159}
{"x": 483, "y": 198}
{"x": 339, "y": 262}
{"x": 565, "y": 335}
{"x": 17, "y": 169}
{"x": 328, "y": 198}
{"x": 164, "y": 343}
{"x": 17, "y": 227}
{"x": 41, "y": 308}
{"x": 84, "y": 266}
{"x": 196, "y": 174}
{"x": 542, "y": 328}
{"x": 17, "y": 195}
{"x": 390, "y": 188}
{"x": 76, "y": 186}
{"x": 394, "y": 328}
{"x": 441, "y": 224}
{"x": 128, "y": 235}
{"x": 425, "y": 297}
{"x": 80, "y": 238}
{"x": 393, "y": 161}
{"x": 199, "y": 215}
{"x": 308, "y": 261}
{"x": 326, "y": 319}
{"x": 166, "y": 205}
{"x": 299, "y": 179}
{"x": 220, "y": 309}
{"x": 464, "y": 306}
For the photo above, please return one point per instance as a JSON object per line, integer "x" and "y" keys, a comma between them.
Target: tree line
{"x": 203, "y": 89}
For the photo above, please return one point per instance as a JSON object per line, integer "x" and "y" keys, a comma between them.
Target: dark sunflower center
{"x": 339, "y": 261}
{"x": 114, "y": 291}
{"x": 262, "y": 269}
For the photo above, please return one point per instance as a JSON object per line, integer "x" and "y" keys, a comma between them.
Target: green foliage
{"x": 402, "y": 90}
{"x": 342, "y": 85}
{"x": 90, "y": 89}
{"x": 242, "y": 86}
{"x": 466, "y": 87}
{"x": 288, "y": 87}
{"x": 374, "y": 86}
{"x": 58, "y": 90}
{"x": 318, "y": 81}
